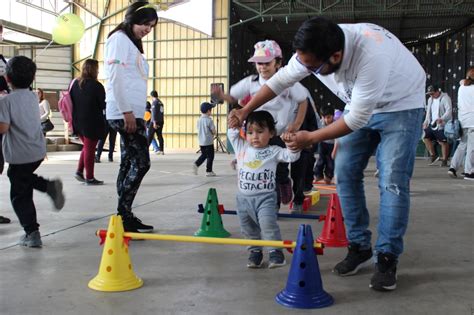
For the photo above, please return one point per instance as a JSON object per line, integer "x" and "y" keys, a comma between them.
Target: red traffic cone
{"x": 334, "y": 232}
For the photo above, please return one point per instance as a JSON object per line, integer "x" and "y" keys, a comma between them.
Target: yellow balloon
{"x": 68, "y": 30}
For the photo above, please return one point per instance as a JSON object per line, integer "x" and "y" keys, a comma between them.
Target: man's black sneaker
{"x": 385, "y": 276}
{"x": 444, "y": 163}
{"x": 276, "y": 259}
{"x": 434, "y": 159}
{"x": 356, "y": 259}
{"x": 469, "y": 176}
{"x": 255, "y": 259}
{"x": 133, "y": 224}
{"x": 452, "y": 173}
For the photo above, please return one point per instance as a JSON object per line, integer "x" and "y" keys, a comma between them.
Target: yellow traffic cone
{"x": 115, "y": 271}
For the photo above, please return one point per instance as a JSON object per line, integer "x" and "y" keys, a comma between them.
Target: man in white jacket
{"x": 383, "y": 86}
{"x": 438, "y": 112}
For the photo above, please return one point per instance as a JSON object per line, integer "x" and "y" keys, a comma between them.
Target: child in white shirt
{"x": 256, "y": 198}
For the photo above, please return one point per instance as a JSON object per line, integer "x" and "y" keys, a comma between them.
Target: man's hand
{"x": 297, "y": 140}
{"x": 130, "y": 123}
{"x": 155, "y": 125}
{"x": 425, "y": 125}
{"x": 235, "y": 118}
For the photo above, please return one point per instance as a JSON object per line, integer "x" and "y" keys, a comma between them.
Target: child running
{"x": 24, "y": 148}
{"x": 256, "y": 198}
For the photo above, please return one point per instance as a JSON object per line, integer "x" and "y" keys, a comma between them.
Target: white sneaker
{"x": 195, "y": 169}
{"x": 210, "y": 174}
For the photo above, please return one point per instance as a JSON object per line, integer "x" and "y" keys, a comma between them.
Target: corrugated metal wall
{"x": 183, "y": 63}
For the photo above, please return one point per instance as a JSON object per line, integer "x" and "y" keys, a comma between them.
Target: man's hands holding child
{"x": 296, "y": 141}
{"x": 235, "y": 118}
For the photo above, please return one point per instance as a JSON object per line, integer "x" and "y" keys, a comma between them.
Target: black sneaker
{"x": 97, "y": 159}
{"x": 255, "y": 259}
{"x": 80, "y": 177}
{"x": 452, "y": 173}
{"x": 469, "y": 176}
{"x": 55, "y": 190}
{"x": 111, "y": 159}
{"x": 276, "y": 259}
{"x": 385, "y": 276}
{"x": 355, "y": 260}
{"x": 94, "y": 182}
{"x": 434, "y": 159}
{"x": 133, "y": 224}
{"x": 444, "y": 163}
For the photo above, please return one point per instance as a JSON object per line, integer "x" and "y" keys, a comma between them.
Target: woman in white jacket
{"x": 126, "y": 72}
{"x": 465, "y": 149}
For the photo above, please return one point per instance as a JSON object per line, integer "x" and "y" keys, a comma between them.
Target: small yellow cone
{"x": 115, "y": 271}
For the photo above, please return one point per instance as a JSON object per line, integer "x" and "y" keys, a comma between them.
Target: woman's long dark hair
{"x": 136, "y": 16}
{"x": 90, "y": 71}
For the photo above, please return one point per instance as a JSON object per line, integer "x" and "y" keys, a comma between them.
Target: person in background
{"x": 24, "y": 148}
{"x": 324, "y": 168}
{"x": 302, "y": 169}
{"x": 464, "y": 153}
{"x": 45, "y": 110}
{"x": 148, "y": 123}
{"x": 206, "y": 132}
{"x": 157, "y": 122}
{"x": 3, "y": 91}
{"x": 288, "y": 108}
{"x": 126, "y": 72}
{"x": 112, "y": 135}
{"x": 256, "y": 172}
{"x": 88, "y": 97}
{"x": 438, "y": 112}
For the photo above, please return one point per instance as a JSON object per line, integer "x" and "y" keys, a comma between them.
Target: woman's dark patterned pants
{"x": 134, "y": 164}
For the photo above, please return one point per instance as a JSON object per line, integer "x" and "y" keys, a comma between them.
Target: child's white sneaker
{"x": 210, "y": 174}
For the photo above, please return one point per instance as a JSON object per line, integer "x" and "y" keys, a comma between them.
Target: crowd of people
{"x": 364, "y": 64}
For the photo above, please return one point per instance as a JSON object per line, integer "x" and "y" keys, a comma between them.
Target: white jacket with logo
{"x": 126, "y": 71}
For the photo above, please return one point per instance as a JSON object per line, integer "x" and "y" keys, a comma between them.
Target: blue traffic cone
{"x": 304, "y": 288}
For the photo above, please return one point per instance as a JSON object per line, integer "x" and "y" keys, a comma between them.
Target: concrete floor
{"x": 435, "y": 274}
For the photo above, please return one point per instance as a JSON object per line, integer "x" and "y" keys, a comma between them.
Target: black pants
{"x": 23, "y": 181}
{"x": 325, "y": 164}
{"x": 134, "y": 164}
{"x": 100, "y": 145}
{"x": 299, "y": 170}
{"x": 207, "y": 152}
{"x": 159, "y": 135}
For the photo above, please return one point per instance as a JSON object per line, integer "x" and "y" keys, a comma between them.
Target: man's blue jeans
{"x": 396, "y": 134}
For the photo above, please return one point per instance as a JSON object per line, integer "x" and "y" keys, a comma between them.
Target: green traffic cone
{"x": 211, "y": 224}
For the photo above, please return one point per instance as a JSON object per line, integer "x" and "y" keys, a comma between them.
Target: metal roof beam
{"x": 26, "y": 30}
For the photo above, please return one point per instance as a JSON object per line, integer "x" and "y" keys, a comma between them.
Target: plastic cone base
{"x": 107, "y": 285}
{"x": 298, "y": 301}
{"x": 212, "y": 233}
